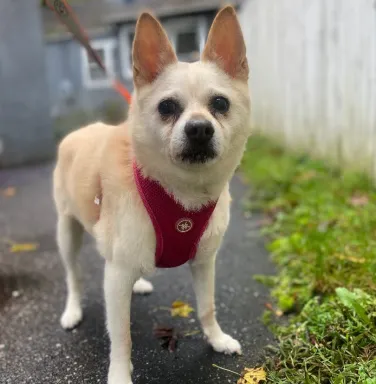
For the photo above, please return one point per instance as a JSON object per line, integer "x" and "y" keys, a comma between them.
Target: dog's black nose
{"x": 199, "y": 131}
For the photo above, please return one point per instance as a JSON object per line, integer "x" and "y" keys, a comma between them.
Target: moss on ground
{"x": 321, "y": 229}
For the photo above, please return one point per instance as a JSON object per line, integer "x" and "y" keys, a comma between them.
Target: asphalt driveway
{"x": 35, "y": 350}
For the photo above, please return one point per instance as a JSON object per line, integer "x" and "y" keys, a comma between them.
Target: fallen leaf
{"x": 306, "y": 176}
{"x": 252, "y": 376}
{"x": 359, "y": 200}
{"x": 169, "y": 337}
{"x": 269, "y": 306}
{"x": 9, "y": 192}
{"x": 25, "y": 247}
{"x": 353, "y": 259}
{"x": 277, "y": 312}
{"x": 181, "y": 309}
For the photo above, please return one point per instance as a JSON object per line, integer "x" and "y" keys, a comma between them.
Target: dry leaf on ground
{"x": 353, "y": 259}
{"x": 277, "y": 312}
{"x": 253, "y": 376}
{"x": 9, "y": 192}
{"x": 306, "y": 176}
{"x": 359, "y": 200}
{"x": 181, "y": 309}
{"x": 169, "y": 337}
{"x": 25, "y": 247}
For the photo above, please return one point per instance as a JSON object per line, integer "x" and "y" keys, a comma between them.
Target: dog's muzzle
{"x": 199, "y": 146}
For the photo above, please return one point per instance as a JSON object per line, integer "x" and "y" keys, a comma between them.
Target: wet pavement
{"x": 34, "y": 349}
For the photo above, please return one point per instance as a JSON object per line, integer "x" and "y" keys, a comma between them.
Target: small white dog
{"x": 154, "y": 191}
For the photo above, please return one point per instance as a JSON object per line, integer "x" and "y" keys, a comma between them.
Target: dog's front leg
{"x": 203, "y": 273}
{"x": 118, "y": 284}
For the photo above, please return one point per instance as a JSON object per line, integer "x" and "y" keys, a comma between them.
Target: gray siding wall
{"x": 25, "y": 125}
{"x": 64, "y": 64}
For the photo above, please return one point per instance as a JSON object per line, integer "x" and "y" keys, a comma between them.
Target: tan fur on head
{"x": 152, "y": 51}
{"x": 222, "y": 71}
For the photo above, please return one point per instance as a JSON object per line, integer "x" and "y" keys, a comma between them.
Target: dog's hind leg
{"x": 69, "y": 239}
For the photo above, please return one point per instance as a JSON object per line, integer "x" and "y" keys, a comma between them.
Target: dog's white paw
{"x": 119, "y": 376}
{"x": 143, "y": 287}
{"x": 115, "y": 381}
{"x": 226, "y": 344}
{"x": 71, "y": 318}
{"x": 112, "y": 380}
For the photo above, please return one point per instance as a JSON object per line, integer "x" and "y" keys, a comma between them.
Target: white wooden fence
{"x": 313, "y": 76}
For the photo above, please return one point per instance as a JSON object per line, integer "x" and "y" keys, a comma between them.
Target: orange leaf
{"x": 9, "y": 192}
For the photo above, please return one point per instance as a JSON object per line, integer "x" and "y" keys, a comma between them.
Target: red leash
{"x": 67, "y": 16}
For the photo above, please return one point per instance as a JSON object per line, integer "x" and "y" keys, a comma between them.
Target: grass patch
{"x": 321, "y": 227}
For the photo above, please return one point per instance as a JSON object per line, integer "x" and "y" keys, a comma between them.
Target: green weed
{"x": 321, "y": 231}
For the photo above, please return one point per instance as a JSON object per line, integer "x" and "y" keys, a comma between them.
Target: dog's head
{"x": 190, "y": 115}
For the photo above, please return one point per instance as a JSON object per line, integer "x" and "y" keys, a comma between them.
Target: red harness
{"x": 178, "y": 231}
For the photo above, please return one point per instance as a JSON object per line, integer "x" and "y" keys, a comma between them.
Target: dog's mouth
{"x": 198, "y": 155}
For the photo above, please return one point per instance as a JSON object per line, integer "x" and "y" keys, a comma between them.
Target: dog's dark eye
{"x": 167, "y": 108}
{"x": 220, "y": 104}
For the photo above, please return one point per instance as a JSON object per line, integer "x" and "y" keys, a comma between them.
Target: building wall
{"x": 25, "y": 125}
{"x": 65, "y": 79}
{"x": 313, "y": 76}
{"x": 64, "y": 68}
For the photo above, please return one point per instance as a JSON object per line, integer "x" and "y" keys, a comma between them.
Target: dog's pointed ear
{"x": 225, "y": 45}
{"x": 152, "y": 51}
